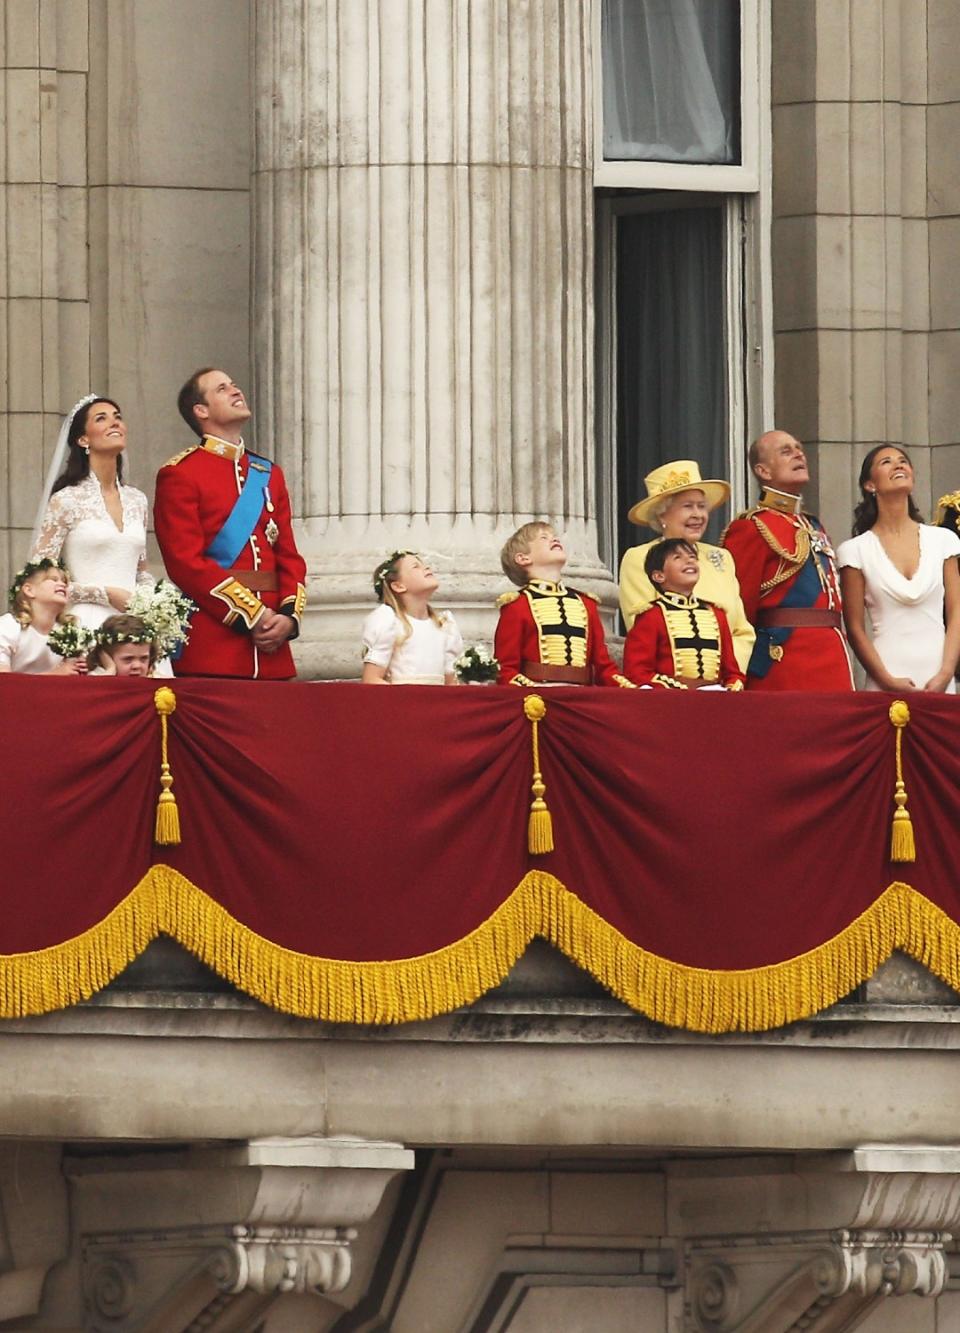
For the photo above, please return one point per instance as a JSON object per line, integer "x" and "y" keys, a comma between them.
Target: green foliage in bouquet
{"x": 166, "y": 612}
{"x": 476, "y": 665}
{"x": 69, "y": 638}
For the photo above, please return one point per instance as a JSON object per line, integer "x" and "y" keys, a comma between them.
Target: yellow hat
{"x": 671, "y": 479}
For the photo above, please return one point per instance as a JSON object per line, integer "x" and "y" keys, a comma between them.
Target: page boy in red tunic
{"x": 681, "y": 642}
{"x": 548, "y": 634}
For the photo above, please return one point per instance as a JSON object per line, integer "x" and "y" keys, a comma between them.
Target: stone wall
{"x": 866, "y": 193}
{"x": 124, "y": 190}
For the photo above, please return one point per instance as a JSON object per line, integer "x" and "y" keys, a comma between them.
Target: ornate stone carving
{"x": 196, "y": 1237}
{"x": 714, "y": 1297}
{"x": 284, "y": 1259}
{"x": 784, "y": 1284}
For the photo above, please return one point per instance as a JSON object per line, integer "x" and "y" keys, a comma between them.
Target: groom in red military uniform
{"x": 222, "y": 517}
{"x": 788, "y": 578}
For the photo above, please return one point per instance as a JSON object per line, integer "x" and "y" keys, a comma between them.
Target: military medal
{"x": 271, "y": 531}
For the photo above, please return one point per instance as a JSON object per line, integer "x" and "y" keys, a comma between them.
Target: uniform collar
{"x": 223, "y": 448}
{"x": 678, "y": 600}
{"x": 546, "y": 586}
{"x": 782, "y": 501}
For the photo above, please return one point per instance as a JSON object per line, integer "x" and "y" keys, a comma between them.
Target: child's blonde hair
{"x": 519, "y": 544}
{"x": 20, "y": 603}
{"x": 387, "y": 572}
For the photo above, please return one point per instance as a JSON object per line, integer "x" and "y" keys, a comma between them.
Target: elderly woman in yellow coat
{"x": 678, "y": 504}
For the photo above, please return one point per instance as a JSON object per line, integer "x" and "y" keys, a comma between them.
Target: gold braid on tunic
{"x": 790, "y": 561}
{"x": 694, "y": 637}
{"x": 561, "y": 620}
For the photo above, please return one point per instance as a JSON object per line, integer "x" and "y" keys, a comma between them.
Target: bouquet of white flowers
{"x": 476, "y": 666}
{"x": 69, "y": 638}
{"x": 166, "y": 612}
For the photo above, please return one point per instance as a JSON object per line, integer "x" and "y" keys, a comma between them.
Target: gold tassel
{"x": 540, "y": 824}
{"x": 902, "y": 846}
{"x": 167, "y": 830}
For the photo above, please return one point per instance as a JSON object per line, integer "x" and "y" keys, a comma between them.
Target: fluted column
{"x": 423, "y": 289}
{"x": 44, "y": 299}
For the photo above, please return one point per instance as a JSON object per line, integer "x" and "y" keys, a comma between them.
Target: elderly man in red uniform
{"x": 222, "y": 516}
{"x": 788, "y": 578}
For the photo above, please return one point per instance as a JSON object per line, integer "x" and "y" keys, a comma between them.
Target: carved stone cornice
{"x": 188, "y": 1240}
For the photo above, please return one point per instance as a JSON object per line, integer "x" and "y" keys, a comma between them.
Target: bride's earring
{"x": 86, "y": 449}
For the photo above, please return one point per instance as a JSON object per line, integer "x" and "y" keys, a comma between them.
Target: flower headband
{"x": 110, "y": 636}
{"x": 30, "y": 568}
{"x": 386, "y": 567}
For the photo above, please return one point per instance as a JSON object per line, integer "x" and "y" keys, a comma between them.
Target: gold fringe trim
{"x": 407, "y": 989}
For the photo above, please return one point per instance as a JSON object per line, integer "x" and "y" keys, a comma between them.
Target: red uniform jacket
{"x": 784, "y": 560}
{"x": 196, "y": 490}
{"x": 680, "y": 640}
{"x": 553, "y": 625}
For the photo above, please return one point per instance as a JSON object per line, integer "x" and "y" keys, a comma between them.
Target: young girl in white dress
{"x": 38, "y": 599}
{"x": 405, "y": 641}
{"x": 905, "y": 574}
{"x": 124, "y": 647}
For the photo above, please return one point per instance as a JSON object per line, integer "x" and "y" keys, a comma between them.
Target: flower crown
{"x": 30, "y": 568}
{"x": 384, "y": 568}
{"x": 109, "y": 636}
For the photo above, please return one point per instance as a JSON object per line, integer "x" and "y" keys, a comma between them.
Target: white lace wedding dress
{"x": 78, "y": 530}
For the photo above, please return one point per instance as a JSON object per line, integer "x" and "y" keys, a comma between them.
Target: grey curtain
{"x": 671, "y": 378}
{"x": 671, "y": 80}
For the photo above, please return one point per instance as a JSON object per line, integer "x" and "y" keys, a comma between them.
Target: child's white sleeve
{"x": 379, "y": 636}
{"x": 9, "y": 639}
{"x": 452, "y": 643}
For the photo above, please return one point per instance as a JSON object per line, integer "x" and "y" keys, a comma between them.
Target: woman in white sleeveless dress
{"x": 904, "y": 573}
{"x": 90, "y": 520}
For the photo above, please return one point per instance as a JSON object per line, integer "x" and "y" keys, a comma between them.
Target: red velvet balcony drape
{"x": 361, "y": 854}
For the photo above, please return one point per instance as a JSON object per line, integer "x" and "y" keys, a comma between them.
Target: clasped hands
{"x": 271, "y": 631}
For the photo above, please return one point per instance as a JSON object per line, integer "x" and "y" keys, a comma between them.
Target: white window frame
{"x": 748, "y": 267}
{"x": 740, "y": 179}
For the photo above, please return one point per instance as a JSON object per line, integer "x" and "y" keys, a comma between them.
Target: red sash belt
{"x": 257, "y": 580}
{"x": 798, "y": 617}
{"x": 547, "y": 674}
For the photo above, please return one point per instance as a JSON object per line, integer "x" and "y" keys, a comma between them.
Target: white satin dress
{"x": 906, "y": 614}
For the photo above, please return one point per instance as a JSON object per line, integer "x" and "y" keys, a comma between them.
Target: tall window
{"x": 672, "y": 390}
{"x": 681, "y": 168}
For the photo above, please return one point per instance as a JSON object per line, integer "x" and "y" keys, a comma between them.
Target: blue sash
{"x": 244, "y": 516}
{"x": 803, "y": 592}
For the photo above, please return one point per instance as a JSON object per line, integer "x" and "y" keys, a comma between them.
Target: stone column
{"x": 423, "y": 275}
{"x": 44, "y": 302}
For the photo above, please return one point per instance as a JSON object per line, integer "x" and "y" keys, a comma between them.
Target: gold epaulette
{"x": 178, "y": 458}
{"x": 506, "y": 598}
{"x": 744, "y": 513}
{"x": 951, "y": 501}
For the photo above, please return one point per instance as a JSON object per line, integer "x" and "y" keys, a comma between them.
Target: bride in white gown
{"x": 904, "y": 573}
{"x": 89, "y": 519}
